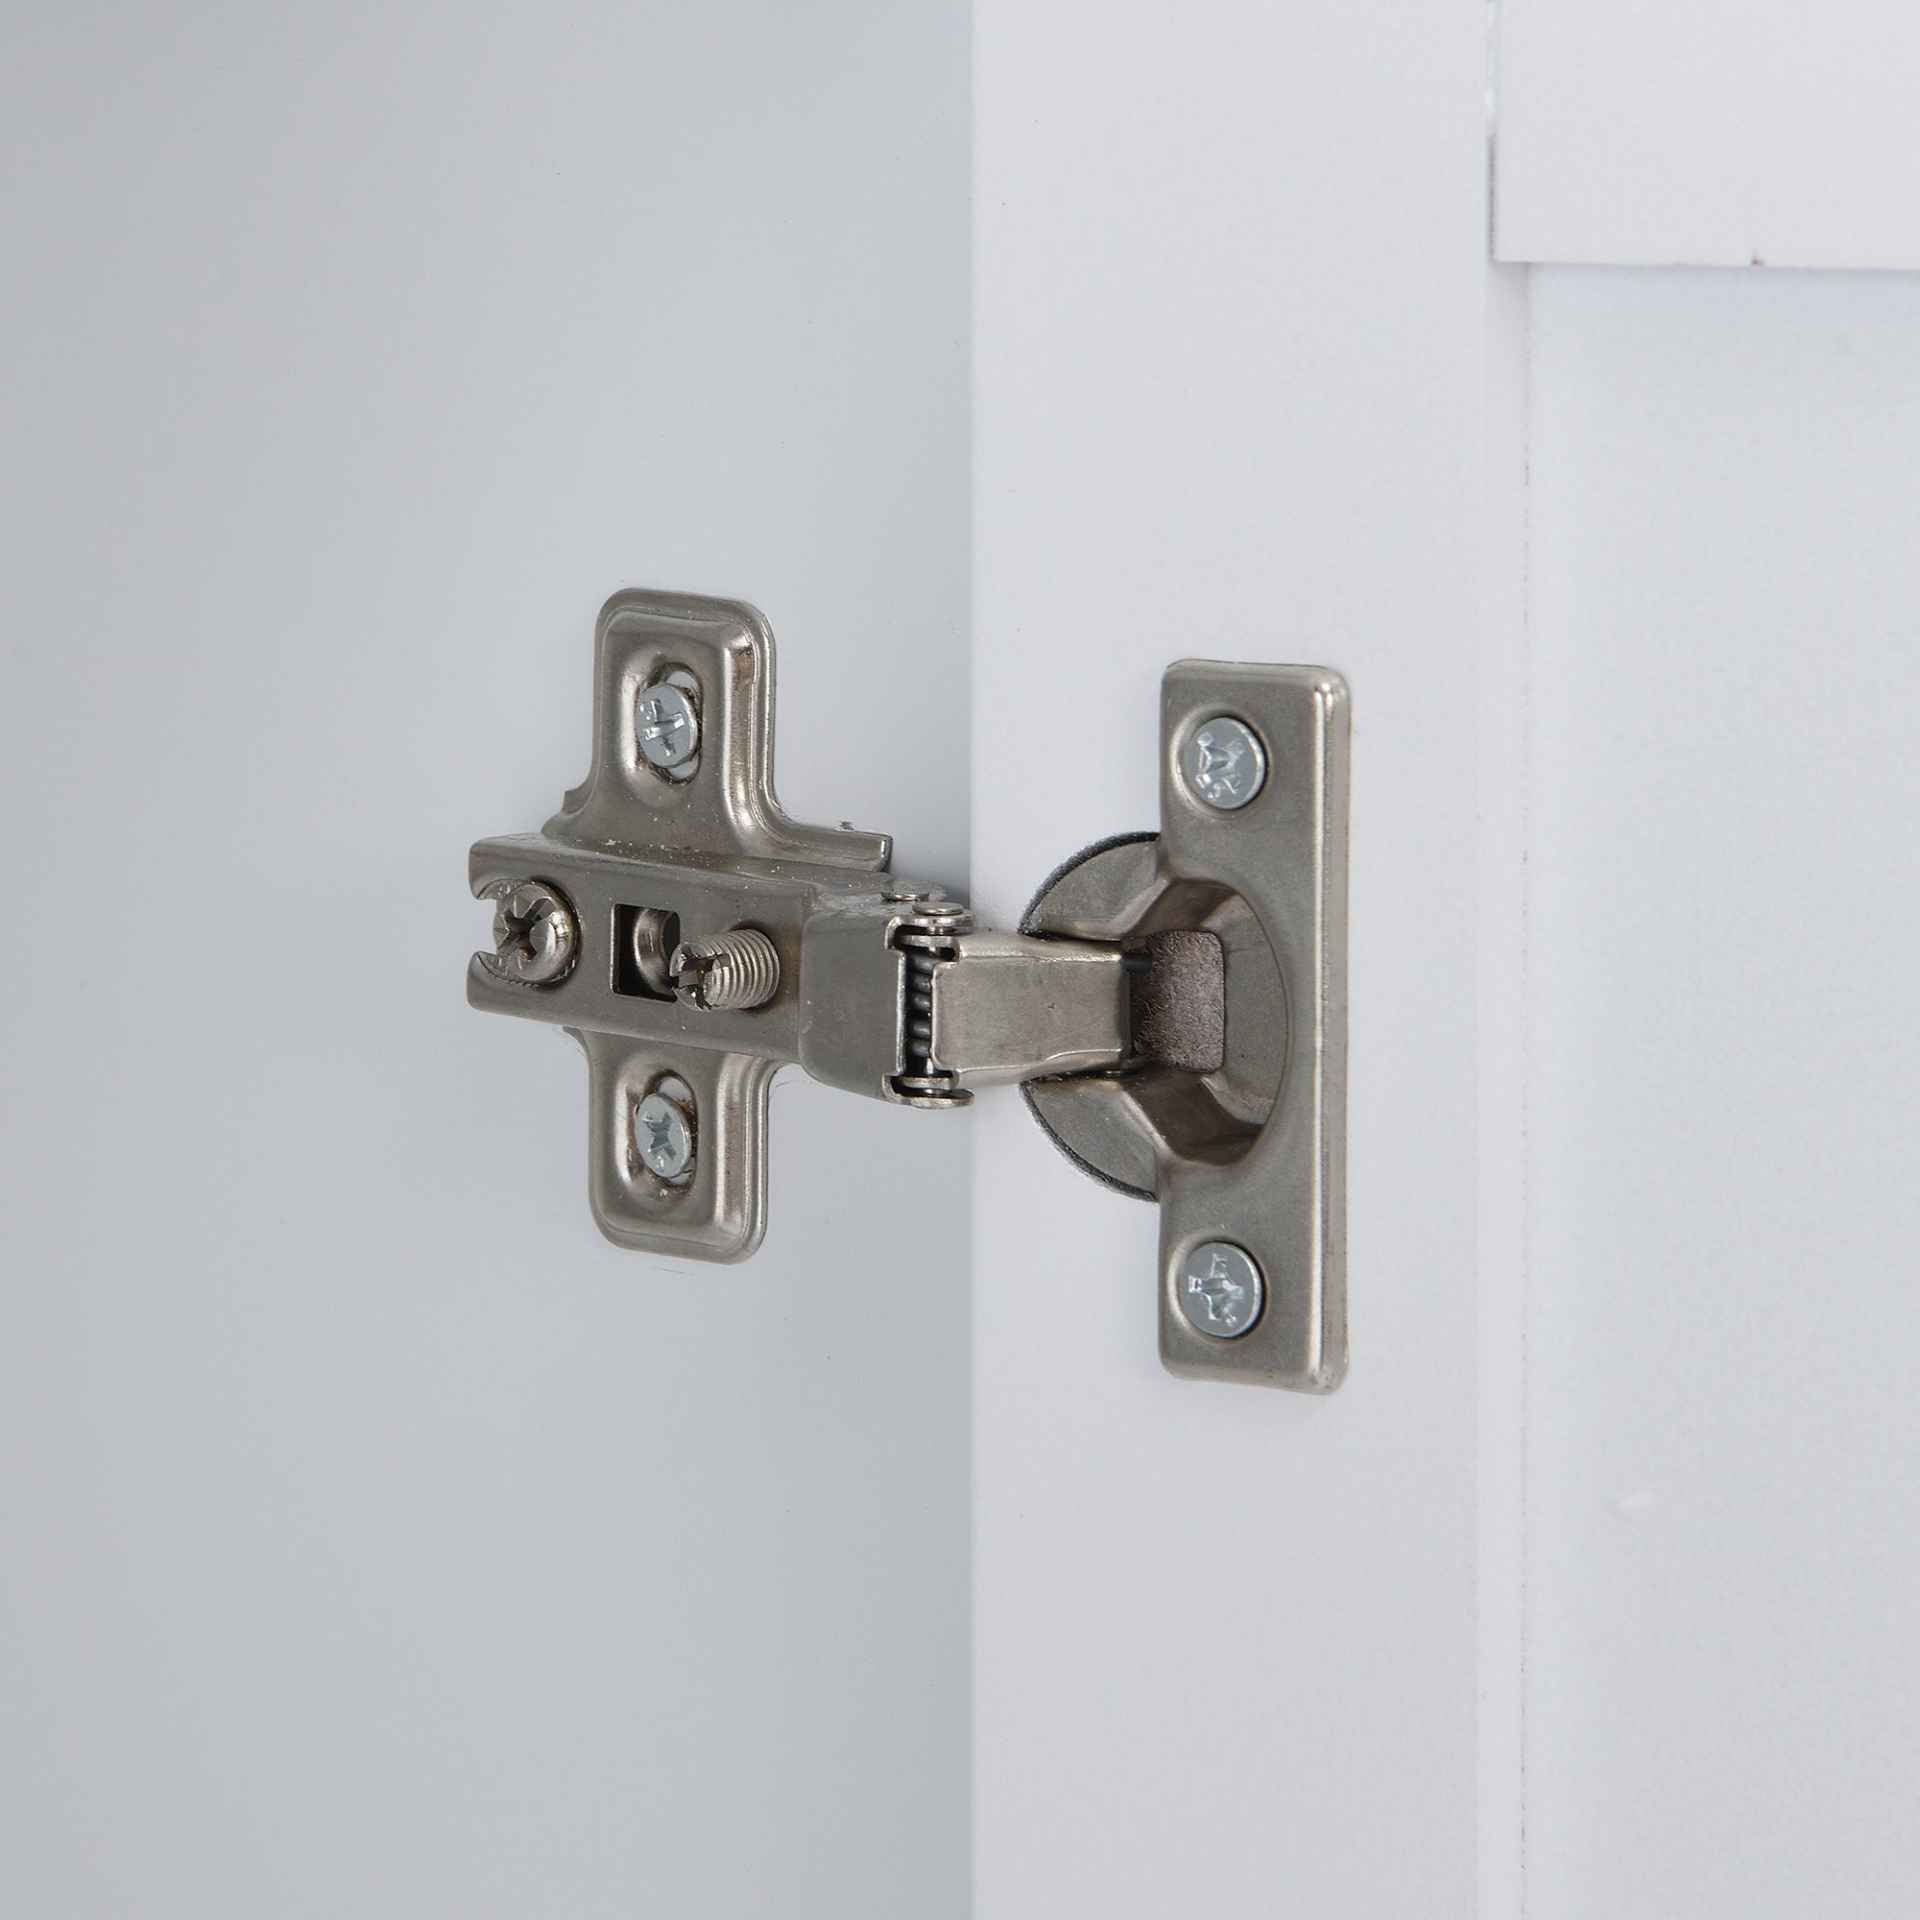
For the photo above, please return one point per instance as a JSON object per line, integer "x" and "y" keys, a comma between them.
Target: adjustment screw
{"x": 667, "y": 725}
{"x": 725, "y": 972}
{"x": 663, "y": 1132}
{"x": 1224, "y": 763}
{"x": 535, "y": 935}
{"x": 1221, "y": 1290}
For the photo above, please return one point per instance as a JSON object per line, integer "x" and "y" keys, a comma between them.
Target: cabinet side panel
{"x": 1229, "y": 365}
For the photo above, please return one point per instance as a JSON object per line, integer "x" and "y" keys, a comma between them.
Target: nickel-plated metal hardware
{"x": 1239, "y": 1129}
{"x": 535, "y": 935}
{"x": 1224, "y": 763}
{"x": 1222, "y": 1290}
{"x": 663, "y": 1123}
{"x": 719, "y": 971}
{"x": 1173, "y": 1003}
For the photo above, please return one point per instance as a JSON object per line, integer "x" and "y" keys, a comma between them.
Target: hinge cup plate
{"x": 1251, "y": 1158}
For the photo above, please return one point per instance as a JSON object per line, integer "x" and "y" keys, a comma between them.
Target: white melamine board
{"x": 377, "y": 1540}
{"x": 1230, "y": 328}
{"x": 1723, "y": 1712}
{"x": 1709, "y": 132}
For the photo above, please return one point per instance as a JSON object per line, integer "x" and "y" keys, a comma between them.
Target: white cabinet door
{"x": 377, "y": 1539}
{"x": 1725, "y": 601}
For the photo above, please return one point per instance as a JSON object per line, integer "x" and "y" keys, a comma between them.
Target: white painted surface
{"x": 1782, "y": 133}
{"x": 1230, "y": 366}
{"x": 1723, "y": 1685}
{"x": 377, "y": 1541}
{"x": 1500, "y": 753}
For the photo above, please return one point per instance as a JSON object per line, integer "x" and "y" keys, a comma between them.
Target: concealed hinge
{"x": 1173, "y": 1002}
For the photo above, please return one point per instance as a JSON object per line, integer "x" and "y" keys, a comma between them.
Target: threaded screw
{"x": 726, "y": 972}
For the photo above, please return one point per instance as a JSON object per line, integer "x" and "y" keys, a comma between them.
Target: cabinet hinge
{"x": 1172, "y": 1004}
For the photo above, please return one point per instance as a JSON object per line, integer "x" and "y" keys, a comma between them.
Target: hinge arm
{"x": 1008, "y": 1007}
{"x": 904, "y": 1002}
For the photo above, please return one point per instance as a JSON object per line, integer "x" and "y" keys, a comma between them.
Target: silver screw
{"x": 663, "y": 1131}
{"x": 1221, "y": 1289}
{"x": 1225, "y": 765}
{"x": 722, "y": 972}
{"x": 535, "y": 935}
{"x": 667, "y": 725}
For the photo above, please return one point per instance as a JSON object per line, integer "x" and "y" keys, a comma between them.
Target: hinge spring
{"x": 923, "y": 1084}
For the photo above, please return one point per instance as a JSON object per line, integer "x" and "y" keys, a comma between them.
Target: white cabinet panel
{"x": 1230, "y": 318}
{"x": 378, "y": 1541}
{"x": 1723, "y": 1686}
{"x": 1709, "y": 132}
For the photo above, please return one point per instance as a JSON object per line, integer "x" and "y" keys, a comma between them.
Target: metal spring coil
{"x": 919, "y": 1047}
{"x": 924, "y": 1084}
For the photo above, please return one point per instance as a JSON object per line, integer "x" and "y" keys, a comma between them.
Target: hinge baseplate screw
{"x": 663, "y": 1131}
